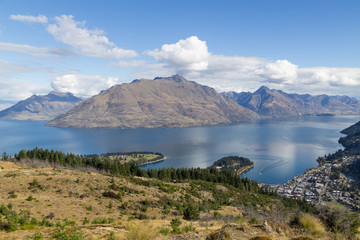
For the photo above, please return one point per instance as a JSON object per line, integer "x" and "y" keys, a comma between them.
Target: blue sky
{"x": 87, "y": 46}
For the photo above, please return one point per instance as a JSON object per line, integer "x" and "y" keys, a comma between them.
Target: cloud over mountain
{"x": 189, "y": 54}
{"x": 280, "y": 71}
{"x": 82, "y": 85}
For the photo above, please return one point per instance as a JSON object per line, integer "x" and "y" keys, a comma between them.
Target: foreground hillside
{"x": 39, "y": 201}
{"x": 41, "y": 107}
{"x": 276, "y": 103}
{"x": 162, "y": 102}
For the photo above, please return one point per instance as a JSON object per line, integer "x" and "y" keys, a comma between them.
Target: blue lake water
{"x": 280, "y": 149}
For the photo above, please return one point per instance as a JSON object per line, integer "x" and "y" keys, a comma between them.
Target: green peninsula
{"x": 234, "y": 164}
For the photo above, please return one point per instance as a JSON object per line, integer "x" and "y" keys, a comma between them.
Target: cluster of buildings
{"x": 322, "y": 183}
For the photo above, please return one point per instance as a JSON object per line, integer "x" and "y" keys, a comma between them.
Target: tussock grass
{"x": 313, "y": 225}
{"x": 282, "y": 229}
{"x": 141, "y": 231}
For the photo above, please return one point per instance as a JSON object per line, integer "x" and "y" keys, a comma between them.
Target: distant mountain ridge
{"x": 162, "y": 102}
{"x": 41, "y": 107}
{"x": 276, "y": 103}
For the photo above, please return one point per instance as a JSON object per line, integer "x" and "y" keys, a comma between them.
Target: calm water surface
{"x": 280, "y": 149}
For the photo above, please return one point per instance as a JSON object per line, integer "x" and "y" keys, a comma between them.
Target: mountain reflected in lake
{"x": 280, "y": 149}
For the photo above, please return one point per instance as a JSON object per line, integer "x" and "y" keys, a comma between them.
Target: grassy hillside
{"x": 62, "y": 203}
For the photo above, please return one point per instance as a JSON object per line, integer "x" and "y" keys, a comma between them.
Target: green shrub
{"x": 112, "y": 236}
{"x": 295, "y": 221}
{"x": 111, "y": 194}
{"x": 175, "y": 223}
{"x": 10, "y": 175}
{"x": 13, "y": 195}
{"x": 29, "y": 227}
{"x": 86, "y": 221}
{"x": 102, "y": 221}
{"x": 35, "y": 184}
{"x": 67, "y": 234}
{"x": 191, "y": 212}
{"x": 38, "y": 236}
{"x": 30, "y": 198}
{"x": 189, "y": 228}
{"x": 166, "y": 210}
{"x": 217, "y": 215}
{"x": 165, "y": 231}
{"x": 253, "y": 221}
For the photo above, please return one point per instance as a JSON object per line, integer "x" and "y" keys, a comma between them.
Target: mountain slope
{"x": 276, "y": 103}
{"x": 41, "y": 107}
{"x": 162, "y": 102}
{"x": 351, "y": 141}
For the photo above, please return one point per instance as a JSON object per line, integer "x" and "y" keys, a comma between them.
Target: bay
{"x": 280, "y": 149}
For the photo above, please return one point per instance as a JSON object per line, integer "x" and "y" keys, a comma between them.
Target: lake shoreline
{"x": 244, "y": 169}
{"x": 152, "y": 162}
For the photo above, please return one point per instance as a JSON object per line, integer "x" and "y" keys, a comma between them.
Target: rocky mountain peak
{"x": 162, "y": 102}
{"x": 175, "y": 78}
{"x": 41, "y": 107}
{"x": 263, "y": 89}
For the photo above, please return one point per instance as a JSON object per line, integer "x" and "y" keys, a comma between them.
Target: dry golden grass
{"x": 313, "y": 225}
{"x": 282, "y": 229}
{"x": 141, "y": 231}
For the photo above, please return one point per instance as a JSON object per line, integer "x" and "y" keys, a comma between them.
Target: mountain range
{"x": 162, "y": 102}
{"x": 41, "y": 107}
{"x": 173, "y": 102}
{"x": 278, "y": 104}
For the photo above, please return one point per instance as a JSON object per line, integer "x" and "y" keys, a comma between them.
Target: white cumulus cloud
{"x": 82, "y": 85}
{"x": 30, "y": 19}
{"x": 280, "y": 71}
{"x": 92, "y": 43}
{"x": 185, "y": 55}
